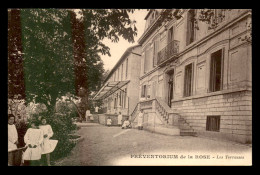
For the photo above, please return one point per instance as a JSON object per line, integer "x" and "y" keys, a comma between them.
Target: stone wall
{"x": 103, "y": 118}
{"x": 234, "y": 109}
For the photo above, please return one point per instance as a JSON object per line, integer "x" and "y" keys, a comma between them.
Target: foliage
{"x": 100, "y": 24}
{"x": 62, "y": 126}
{"x": 48, "y": 49}
{"x": 48, "y": 56}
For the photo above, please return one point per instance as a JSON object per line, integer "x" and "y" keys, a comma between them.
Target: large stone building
{"x": 195, "y": 75}
{"x": 120, "y": 90}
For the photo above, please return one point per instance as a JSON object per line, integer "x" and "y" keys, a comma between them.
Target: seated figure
{"x": 126, "y": 124}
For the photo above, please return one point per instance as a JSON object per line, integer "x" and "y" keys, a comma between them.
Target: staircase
{"x": 186, "y": 129}
{"x": 134, "y": 115}
{"x": 169, "y": 118}
{"x": 164, "y": 110}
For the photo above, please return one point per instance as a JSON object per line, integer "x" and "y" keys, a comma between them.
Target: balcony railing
{"x": 170, "y": 50}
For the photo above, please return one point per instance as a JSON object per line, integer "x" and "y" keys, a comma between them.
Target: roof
{"x": 109, "y": 88}
{"x": 120, "y": 60}
{"x": 148, "y": 14}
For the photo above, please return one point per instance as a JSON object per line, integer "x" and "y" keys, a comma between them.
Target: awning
{"x": 109, "y": 88}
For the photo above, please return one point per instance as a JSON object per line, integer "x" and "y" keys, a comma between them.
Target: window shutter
{"x": 155, "y": 53}
{"x": 188, "y": 80}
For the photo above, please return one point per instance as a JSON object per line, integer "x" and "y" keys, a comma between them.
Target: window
{"x": 216, "y": 71}
{"x": 115, "y": 103}
{"x": 125, "y": 97}
{"x": 213, "y": 123}
{"x": 143, "y": 92}
{"x": 153, "y": 89}
{"x": 109, "y": 103}
{"x": 142, "y": 63}
{"x": 120, "y": 99}
{"x": 126, "y": 67}
{"x": 148, "y": 59}
{"x": 122, "y": 67}
{"x": 170, "y": 35}
{"x": 188, "y": 80}
{"x": 118, "y": 74}
{"x": 155, "y": 50}
{"x": 190, "y": 27}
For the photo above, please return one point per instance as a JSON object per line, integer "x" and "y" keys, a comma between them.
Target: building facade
{"x": 119, "y": 90}
{"x": 196, "y": 75}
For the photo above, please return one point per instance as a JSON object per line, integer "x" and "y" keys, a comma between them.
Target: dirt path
{"x": 113, "y": 146}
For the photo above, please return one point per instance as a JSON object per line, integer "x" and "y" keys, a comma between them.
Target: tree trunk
{"x": 52, "y": 106}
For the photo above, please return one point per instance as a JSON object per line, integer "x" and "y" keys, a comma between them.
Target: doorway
{"x": 170, "y": 84}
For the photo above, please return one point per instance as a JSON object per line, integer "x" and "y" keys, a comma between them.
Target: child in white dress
{"x": 126, "y": 124}
{"x": 109, "y": 121}
{"x": 140, "y": 120}
{"x": 119, "y": 119}
{"x": 12, "y": 133}
{"x": 48, "y": 145}
{"x": 33, "y": 140}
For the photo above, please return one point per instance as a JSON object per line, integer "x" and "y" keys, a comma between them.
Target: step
{"x": 186, "y": 130}
{"x": 173, "y": 131}
{"x": 182, "y": 133}
{"x": 184, "y": 127}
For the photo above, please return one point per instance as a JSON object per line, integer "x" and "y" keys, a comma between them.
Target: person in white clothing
{"x": 96, "y": 109}
{"x": 48, "y": 145}
{"x": 126, "y": 124}
{"x": 12, "y": 133}
{"x": 109, "y": 121}
{"x": 140, "y": 120}
{"x": 33, "y": 140}
{"x": 119, "y": 119}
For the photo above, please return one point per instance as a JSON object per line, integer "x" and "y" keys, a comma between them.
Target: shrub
{"x": 62, "y": 126}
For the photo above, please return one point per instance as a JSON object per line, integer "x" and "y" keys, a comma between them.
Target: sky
{"x": 117, "y": 49}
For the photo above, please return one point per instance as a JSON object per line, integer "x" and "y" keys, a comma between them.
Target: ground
{"x": 104, "y": 145}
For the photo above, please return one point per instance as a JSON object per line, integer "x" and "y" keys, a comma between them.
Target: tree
{"x": 16, "y": 86}
{"x": 48, "y": 55}
{"x": 49, "y": 49}
{"x": 97, "y": 25}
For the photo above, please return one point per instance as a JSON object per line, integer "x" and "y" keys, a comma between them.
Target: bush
{"x": 62, "y": 126}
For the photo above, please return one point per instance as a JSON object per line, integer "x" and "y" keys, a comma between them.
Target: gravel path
{"x": 113, "y": 146}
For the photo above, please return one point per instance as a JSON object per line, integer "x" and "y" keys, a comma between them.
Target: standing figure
{"x": 33, "y": 139}
{"x": 109, "y": 121}
{"x": 12, "y": 133}
{"x": 119, "y": 119}
{"x": 96, "y": 109}
{"x": 140, "y": 120}
{"x": 48, "y": 145}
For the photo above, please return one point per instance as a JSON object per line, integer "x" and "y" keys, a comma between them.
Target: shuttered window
{"x": 125, "y": 97}
{"x": 213, "y": 123}
{"x": 143, "y": 92}
{"x": 188, "y": 81}
{"x": 120, "y": 99}
{"x": 216, "y": 71}
{"x": 122, "y": 69}
{"x": 126, "y": 68}
{"x": 115, "y": 104}
{"x": 190, "y": 26}
{"x": 155, "y": 50}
